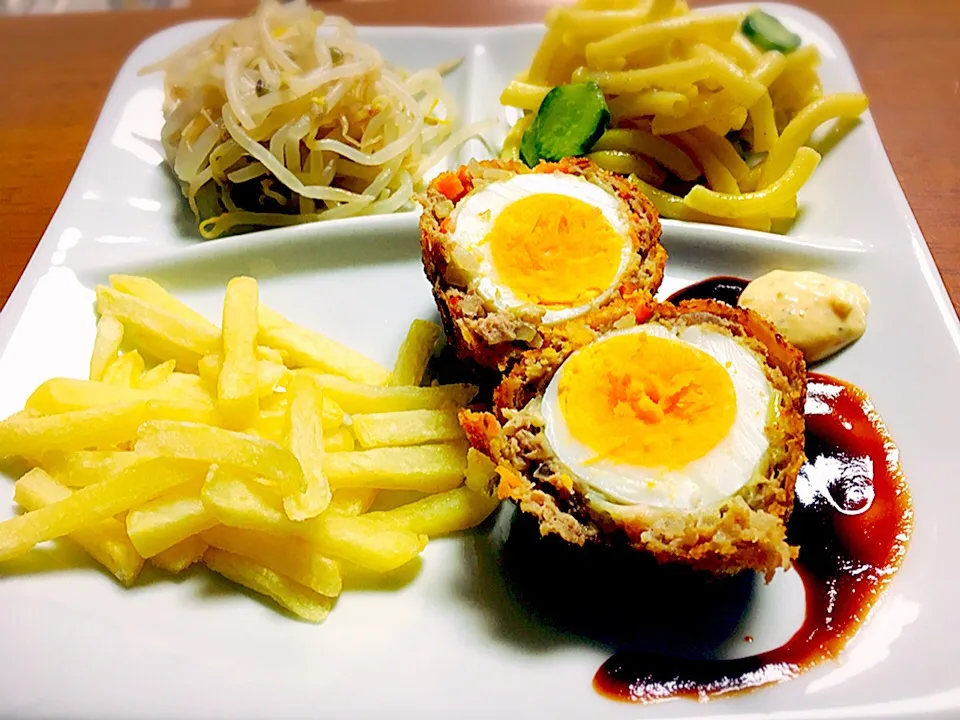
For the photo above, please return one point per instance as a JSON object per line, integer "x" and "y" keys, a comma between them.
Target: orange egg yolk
{"x": 647, "y": 401}
{"x": 555, "y": 250}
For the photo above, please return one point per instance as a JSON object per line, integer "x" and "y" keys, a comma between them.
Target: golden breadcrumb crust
{"x": 744, "y": 531}
{"x": 491, "y": 338}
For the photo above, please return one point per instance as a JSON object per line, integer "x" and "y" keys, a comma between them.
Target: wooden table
{"x": 57, "y": 71}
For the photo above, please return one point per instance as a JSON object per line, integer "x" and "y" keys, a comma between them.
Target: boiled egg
{"x": 667, "y": 417}
{"x": 553, "y": 244}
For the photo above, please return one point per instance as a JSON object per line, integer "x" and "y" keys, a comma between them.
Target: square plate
{"x": 457, "y": 640}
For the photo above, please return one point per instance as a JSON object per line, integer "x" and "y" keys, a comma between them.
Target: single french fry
{"x": 364, "y": 543}
{"x": 290, "y": 556}
{"x": 408, "y": 427}
{"x": 105, "y": 541}
{"x": 134, "y": 486}
{"x": 99, "y": 427}
{"x": 185, "y": 340}
{"x": 106, "y": 345}
{"x": 270, "y": 374}
{"x": 237, "y": 387}
{"x": 306, "y": 348}
{"x": 425, "y": 468}
{"x": 157, "y": 375}
{"x": 439, "y": 514}
{"x": 352, "y": 501}
{"x": 86, "y": 467}
{"x": 299, "y": 600}
{"x": 481, "y": 474}
{"x": 181, "y": 556}
{"x": 125, "y": 371}
{"x": 193, "y": 441}
{"x": 355, "y": 397}
{"x": 167, "y": 520}
{"x": 60, "y": 395}
{"x": 305, "y": 441}
{"x": 414, "y": 353}
{"x": 151, "y": 291}
{"x": 245, "y": 504}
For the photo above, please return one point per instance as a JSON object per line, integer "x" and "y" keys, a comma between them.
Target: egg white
{"x": 475, "y": 216}
{"x": 701, "y": 483}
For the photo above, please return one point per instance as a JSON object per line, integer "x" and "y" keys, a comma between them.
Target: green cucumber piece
{"x": 528, "y": 146}
{"x": 570, "y": 120}
{"x": 768, "y": 33}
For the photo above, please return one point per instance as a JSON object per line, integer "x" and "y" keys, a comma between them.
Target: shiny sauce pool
{"x": 852, "y": 519}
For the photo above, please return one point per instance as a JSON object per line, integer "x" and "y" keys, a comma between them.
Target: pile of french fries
{"x": 679, "y": 85}
{"x": 257, "y": 449}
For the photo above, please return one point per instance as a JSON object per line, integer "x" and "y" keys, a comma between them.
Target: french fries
{"x": 237, "y": 382}
{"x": 414, "y": 353}
{"x": 105, "y": 541}
{"x": 237, "y": 449}
{"x": 207, "y": 444}
{"x": 292, "y": 557}
{"x": 245, "y": 504}
{"x": 306, "y": 348}
{"x": 125, "y": 371}
{"x": 106, "y": 345}
{"x": 425, "y": 468}
{"x": 357, "y": 398}
{"x": 101, "y": 427}
{"x": 87, "y": 506}
{"x": 178, "y": 558}
{"x": 408, "y": 427}
{"x": 184, "y": 339}
{"x": 86, "y": 467}
{"x": 59, "y": 395}
{"x": 305, "y": 441}
{"x": 439, "y": 514}
{"x": 301, "y": 601}
{"x": 160, "y": 524}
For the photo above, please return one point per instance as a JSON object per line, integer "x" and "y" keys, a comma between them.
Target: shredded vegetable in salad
{"x": 287, "y": 117}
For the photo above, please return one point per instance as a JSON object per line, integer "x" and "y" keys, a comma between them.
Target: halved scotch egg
{"x": 511, "y": 251}
{"x": 681, "y": 436}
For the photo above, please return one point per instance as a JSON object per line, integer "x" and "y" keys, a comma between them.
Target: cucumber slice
{"x": 768, "y": 33}
{"x": 570, "y": 120}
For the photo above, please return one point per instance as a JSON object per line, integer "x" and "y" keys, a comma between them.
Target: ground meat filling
{"x": 745, "y": 531}
{"x": 493, "y": 339}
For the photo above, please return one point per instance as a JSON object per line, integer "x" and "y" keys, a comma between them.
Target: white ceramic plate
{"x": 454, "y": 642}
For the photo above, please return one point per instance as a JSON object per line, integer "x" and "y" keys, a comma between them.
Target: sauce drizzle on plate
{"x": 852, "y": 520}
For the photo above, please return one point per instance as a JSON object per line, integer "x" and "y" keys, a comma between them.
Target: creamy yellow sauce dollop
{"x": 816, "y": 313}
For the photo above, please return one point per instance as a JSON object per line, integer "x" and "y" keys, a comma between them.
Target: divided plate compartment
{"x": 460, "y": 638}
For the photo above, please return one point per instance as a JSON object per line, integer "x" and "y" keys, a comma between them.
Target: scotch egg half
{"x": 681, "y": 436}
{"x": 511, "y": 251}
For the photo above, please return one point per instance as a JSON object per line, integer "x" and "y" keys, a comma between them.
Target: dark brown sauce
{"x": 720, "y": 287}
{"x": 852, "y": 520}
